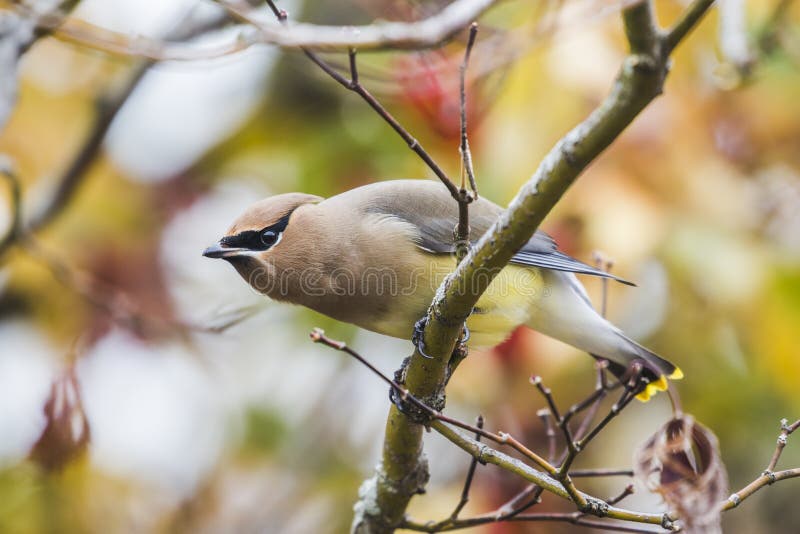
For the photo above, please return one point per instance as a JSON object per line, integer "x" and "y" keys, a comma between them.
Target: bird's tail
{"x": 567, "y": 314}
{"x": 655, "y": 369}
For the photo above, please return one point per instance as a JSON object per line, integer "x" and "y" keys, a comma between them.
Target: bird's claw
{"x": 417, "y": 338}
{"x": 465, "y": 335}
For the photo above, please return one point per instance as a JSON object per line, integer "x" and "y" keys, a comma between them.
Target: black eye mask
{"x": 263, "y": 239}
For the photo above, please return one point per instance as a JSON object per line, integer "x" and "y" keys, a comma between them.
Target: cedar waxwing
{"x": 375, "y": 255}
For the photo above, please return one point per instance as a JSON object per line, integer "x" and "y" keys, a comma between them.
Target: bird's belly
{"x": 504, "y": 306}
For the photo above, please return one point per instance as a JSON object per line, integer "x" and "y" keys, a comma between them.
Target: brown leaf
{"x": 66, "y": 434}
{"x": 681, "y": 462}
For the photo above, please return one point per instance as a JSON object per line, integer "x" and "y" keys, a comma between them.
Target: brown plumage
{"x": 374, "y": 256}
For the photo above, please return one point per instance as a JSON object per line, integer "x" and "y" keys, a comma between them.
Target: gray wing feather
{"x": 558, "y": 261}
{"x": 428, "y": 207}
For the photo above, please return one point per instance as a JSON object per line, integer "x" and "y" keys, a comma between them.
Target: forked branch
{"x": 639, "y": 81}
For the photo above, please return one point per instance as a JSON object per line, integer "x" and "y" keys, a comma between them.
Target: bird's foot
{"x": 460, "y": 352}
{"x": 411, "y": 409}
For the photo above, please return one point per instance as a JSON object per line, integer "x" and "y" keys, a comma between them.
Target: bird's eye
{"x": 270, "y": 237}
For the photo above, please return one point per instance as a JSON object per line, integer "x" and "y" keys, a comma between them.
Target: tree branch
{"x": 353, "y": 84}
{"x": 769, "y": 476}
{"x": 549, "y": 480}
{"x": 482, "y": 453}
{"x": 467, "y": 171}
{"x": 639, "y": 81}
{"x": 486, "y": 454}
{"x": 426, "y": 33}
{"x": 686, "y": 23}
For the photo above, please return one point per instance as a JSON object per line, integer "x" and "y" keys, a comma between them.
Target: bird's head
{"x": 258, "y": 234}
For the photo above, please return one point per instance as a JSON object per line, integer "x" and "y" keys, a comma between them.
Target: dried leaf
{"x": 66, "y": 435}
{"x": 681, "y": 462}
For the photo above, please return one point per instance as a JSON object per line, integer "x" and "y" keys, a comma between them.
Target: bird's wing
{"x": 431, "y": 210}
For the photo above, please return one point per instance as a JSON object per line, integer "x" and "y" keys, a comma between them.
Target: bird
{"x": 375, "y": 255}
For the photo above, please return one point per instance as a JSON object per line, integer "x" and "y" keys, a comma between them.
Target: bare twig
{"x": 425, "y": 33}
{"x": 574, "y": 518}
{"x": 578, "y": 473}
{"x": 489, "y": 455}
{"x": 769, "y": 476}
{"x": 530, "y": 495}
{"x": 485, "y": 454}
{"x": 625, "y": 398}
{"x": 541, "y": 481}
{"x": 687, "y": 21}
{"x": 353, "y": 84}
{"x": 470, "y": 474}
{"x": 640, "y": 80}
{"x": 604, "y": 264}
{"x": 466, "y": 155}
{"x": 627, "y": 491}
{"x": 86, "y": 35}
{"x": 573, "y": 447}
{"x": 547, "y": 419}
{"x": 506, "y": 50}
{"x": 464, "y": 197}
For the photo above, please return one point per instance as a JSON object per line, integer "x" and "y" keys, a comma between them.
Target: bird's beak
{"x": 218, "y": 251}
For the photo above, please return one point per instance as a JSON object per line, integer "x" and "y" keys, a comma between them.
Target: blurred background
{"x": 144, "y": 388}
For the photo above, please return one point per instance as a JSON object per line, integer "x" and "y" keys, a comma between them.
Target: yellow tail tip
{"x": 658, "y": 385}
{"x": 651, "y": 389}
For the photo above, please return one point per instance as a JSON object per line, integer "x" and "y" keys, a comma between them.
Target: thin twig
{"x": 640, "y": 80}
{"x": 547, "y": 419}
{"x": 464, "y": 197}
{"x": 769, "y": 476}
{"x": 425, "y": 33}
{"x": 687, "y": 21}
{"x": 354, "y": 85}
{"x": 483, "y": 453}
{"x": 470, "y": 474}
{"x": 466, "y": 155}
{"x": 548, "y": 395}
{"x": 604, "y": 264}
{"x": 625, "y": 399}
{"x": 502, "y": 438}
{"x": 585, "y": 473}
{"x": 592, "y": 403}
{"x": 627, "y": 491}
{"x": 574, "y": 518}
